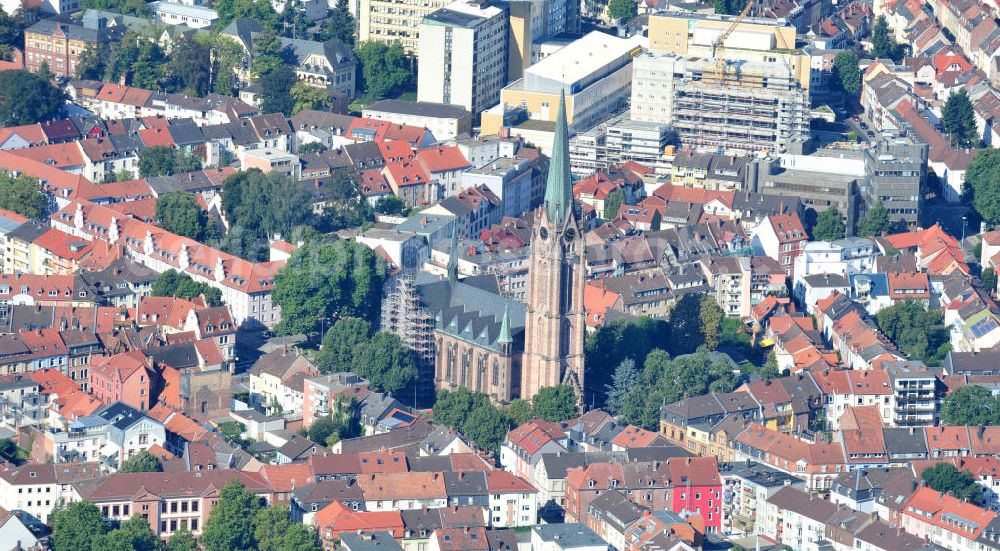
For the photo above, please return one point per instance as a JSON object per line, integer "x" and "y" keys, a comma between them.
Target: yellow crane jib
{"x": 719, "y": 45}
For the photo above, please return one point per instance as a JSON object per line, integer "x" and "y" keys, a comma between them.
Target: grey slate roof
{"x": 419, "y": 108}
{"x": 468, "y": 311}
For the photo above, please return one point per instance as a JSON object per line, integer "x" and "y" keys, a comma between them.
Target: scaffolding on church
{"x": 404, "y": 315}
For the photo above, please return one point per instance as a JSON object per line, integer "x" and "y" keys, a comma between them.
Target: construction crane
{"x": 719, "y": 46}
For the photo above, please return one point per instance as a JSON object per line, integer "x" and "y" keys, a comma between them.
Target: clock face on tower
{"x": 569, "y": 234}
{"x": 543, "y": 233}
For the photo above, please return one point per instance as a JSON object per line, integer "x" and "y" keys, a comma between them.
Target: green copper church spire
{"x": 559, "y": 186}
{"x": 505, "y": 337}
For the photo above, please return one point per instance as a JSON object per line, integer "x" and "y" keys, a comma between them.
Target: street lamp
{"x": 964, "y": 217}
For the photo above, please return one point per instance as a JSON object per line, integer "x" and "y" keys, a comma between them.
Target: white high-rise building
{"x": 463, "y": 55}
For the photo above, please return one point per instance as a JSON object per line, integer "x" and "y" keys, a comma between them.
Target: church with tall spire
{"x": 555, "y": 319}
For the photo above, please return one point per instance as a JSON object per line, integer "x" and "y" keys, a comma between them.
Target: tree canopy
{"x": 325, "y": 279}
{"x": 276, "y": 91}
{"x": 132, "y": 535}
{"x": 614, "y": 342}
{"x": 384, "y": 69}
{"x": 259, "y": 206}
{"x": 884, "y": 46}
{"x": 946, "y": 478}
{"x": 616, "y": 198}
{"x": 341, "y": 344}
{"x": 136, "y": 8}
{"x": 23, "y": 195}
{"x": 230, "y": 525}
{"x": 190, "y": 67}
{"x": 172, "y": 283}
{"x": 76, "y": 526}
{"x": 164, "y": 161}
{"x": 555, "y": 403}
{"x": 348, "y": 209}
{"x": 626, "y": 377}
{"x": 306, "y": 96}
{"x": 665, "y": 380}
{"x": 847, "y": 74}
{"x": 386, "y": 362}
{"x": 728, "y": 7}
{"x": 711, "y": 316}
{"x": 875, "y": 222}
{"x": 142, "y": 462}
{"x": 621, "y": 10}
{"x": 829, "y": 225}
{"x": 989, "y": 279}
{"x": 960, "y": 120}
{"x": 260, "y": 10}
{"x": 26, "y": 98}
{"x": 340, "y": 25}
{"x": 970, "y": 405}
{"x": 982, "y": 185}
{"x": 917, "y": 331}
{"x": 474, "y": 415}
{"x": 179, "y": 212}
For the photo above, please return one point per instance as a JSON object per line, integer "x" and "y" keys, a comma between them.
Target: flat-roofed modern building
{"x": 595, "y": 72}
{"x": 463, "y": 57}
{"x": 443, "y": 120}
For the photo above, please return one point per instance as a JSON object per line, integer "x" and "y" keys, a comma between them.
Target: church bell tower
{"x": 554, "y": 324}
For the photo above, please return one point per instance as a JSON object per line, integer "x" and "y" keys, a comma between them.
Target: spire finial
{"x": 453, "y": 254}
{"x": 558, "y": 187}
{"x": 505, "y": 337}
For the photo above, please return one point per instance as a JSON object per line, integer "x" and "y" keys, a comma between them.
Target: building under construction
{"x": 404, "y": 315}
{"x": 733, "y": 83}
{"x": 749, "y": 107}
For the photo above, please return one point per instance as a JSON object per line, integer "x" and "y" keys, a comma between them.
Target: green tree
{"x": 133, "y": 535}
{"x": 883, "y": 44}
{"x": 847, "y": 75}
{"x": 12, "y": 31}
{"x": 136, "y": 8}
{"x": 261, "y": 11}
{"x": 312, "y": 147}
{"x": 77, "y": 526}
{"x": 270, "y": 526}
{"x": 305, "y": 96}
{"x": 340, "y": 25}
{"x": 179, "y": 212}
{"x": 93, "y": 62}
{"x": 182, "y": 540}
{"x": 770, "y": 368}
{"x": 384, "y": 69}
{"x": 232, "y": 431}
{"x": 226, "y": 56}
{"x": 612, "y": 343}
{"x": 190, "y": 67}
{"x": 142, "y": 462}
{"x": 917, "y": 331}
{"x": 231, "y": 523}
{"x": 621, "y": 10}
{"x": 324, "y": 278}
{"x": 829, "y": 225}
{"x": 989, "y": 279}
{"x": 970, "y": 405}
{"x": 23, "y": 195}
{"x": 276, "y": 91}
{"x": 616, "y": 198}
{"x": 390, "y": 204}
{"x": 960, "y": 120}
{"x": 259, "y": 206}
{"x": 555, "y": 403}
{"x": 387, "y": 363}
{"x": 946, "y": 478}
{"x": 341, "y": 343}
{"x": 164, "y": 161}
{"x": 711, "y": 316}
{"x": 626, "y": 377}
{"x": 520, "y": 411}
{"x": 26, "y": 98}
{"x": 685, "y": 325}
{"x": 268, "y": 54}
{"x": 8, "y": 450}
{"x": 149, "y": 67}
{"x": 172, "y": 283}
{"x": 727, "y": 7}
{"x": 453, "y": 407}
{"x": 875, "y": 222}
{"x": 487, "y": 426}
{"x": 982, "y": 185}
{"x": 664, "y": 380}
